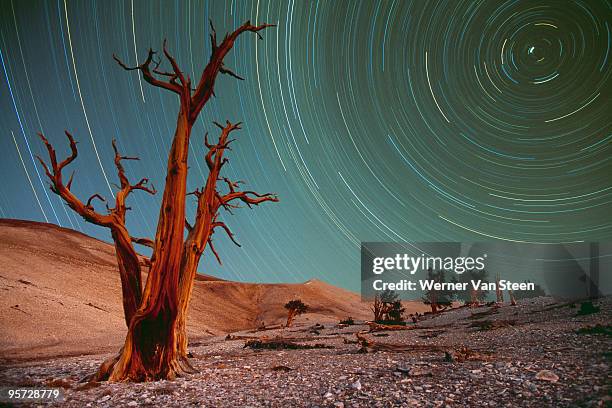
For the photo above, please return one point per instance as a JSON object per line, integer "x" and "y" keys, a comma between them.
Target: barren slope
{"x": 60, "y": 294}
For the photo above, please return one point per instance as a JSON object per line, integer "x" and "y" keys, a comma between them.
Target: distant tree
{"x": 389, "y": 296}
{"x": 435, "y": 298}
{"x": 295, "y": 308}
{"x": 396, "y": 312}
{"x": 385, "y": 305}
{"x": 526, "y": 294}
{"x": 472, "y": 296}
{"x": 348, "y": 321}
{"x": 377, "y": 308}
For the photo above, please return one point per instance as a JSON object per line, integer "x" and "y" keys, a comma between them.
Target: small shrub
{"x": 349, "y": 320}
{"x": 587, "y": 308}
{"x": 597, "y": 329}
{"x": 391, "y": 322}
{"x": 294, "y": 307}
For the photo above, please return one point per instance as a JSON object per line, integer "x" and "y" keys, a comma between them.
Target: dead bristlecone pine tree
{"x": 156, "y": 343}
{"x": 294, "y": 308}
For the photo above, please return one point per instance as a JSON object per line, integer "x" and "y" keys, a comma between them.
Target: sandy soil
{"x": 60, "y": 295}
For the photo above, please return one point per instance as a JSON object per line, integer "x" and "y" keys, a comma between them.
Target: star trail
{"x": 372, "y": 121}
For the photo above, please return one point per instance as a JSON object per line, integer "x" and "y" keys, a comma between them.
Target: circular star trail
{"x": 373, "y": 121}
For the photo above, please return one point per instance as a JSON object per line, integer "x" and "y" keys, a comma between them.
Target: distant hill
{"x": 60, "y": 294}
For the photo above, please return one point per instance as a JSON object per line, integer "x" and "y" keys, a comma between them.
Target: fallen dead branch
{"x": 280, "y": 343}
{"x": 463, "y": 353}
{"x": 294, "y": 339}
{"x": 373, "y": 346}
{"x": 374, "y": 327}
{"x": 59, "y": 382}
{"x": 239, "y": 337}
{"x": 265, "y": 328}
{"x": 451, "y": 354}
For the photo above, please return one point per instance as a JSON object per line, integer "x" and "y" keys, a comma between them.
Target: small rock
{"x": 420, "y": 372}
{"x": 132, "y": 404}
{"x": 547, "y": 375}
{"x": 356, "y": 385}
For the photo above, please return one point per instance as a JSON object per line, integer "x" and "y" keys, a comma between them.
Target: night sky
{"x": 372, "y": 121}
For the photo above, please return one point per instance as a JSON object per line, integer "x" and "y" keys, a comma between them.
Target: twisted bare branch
{"x": 230, "y": 234}
{"x": 143, "y": 241}
{"x": 125, "y": 186}
{"x": 205, "y": 88}
{"x": 98, "y": 196}
{"x": 147, "y": 73}
{"x": 214, "y": 251}
{"x": 54, "y": 174}
{"x": 249, "y": 197}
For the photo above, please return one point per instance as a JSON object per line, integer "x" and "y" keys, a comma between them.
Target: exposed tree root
{"x": 180, "y": 366}
{"x": 59, "y": 382}
{"x": 106, "y": 368}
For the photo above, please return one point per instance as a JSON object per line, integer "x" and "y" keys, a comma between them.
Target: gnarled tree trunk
{"x": 149, "y": 352}
{"x": 290, "y": 317}
{"x": 130, "y": 272}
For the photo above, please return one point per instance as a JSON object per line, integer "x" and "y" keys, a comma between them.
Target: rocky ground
{"x": 540, "y": 353}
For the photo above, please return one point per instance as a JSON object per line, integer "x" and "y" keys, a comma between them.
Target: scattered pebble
{"x": 524, "y": 367}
